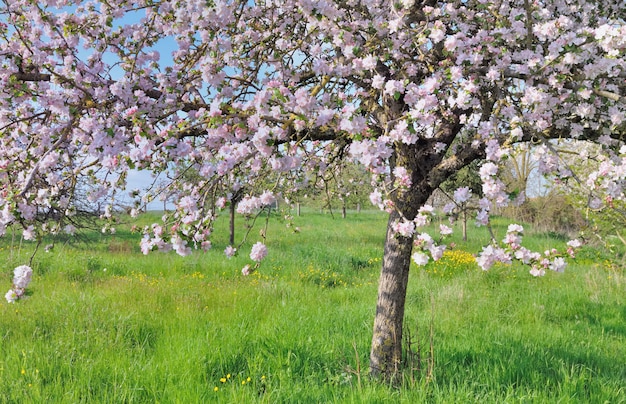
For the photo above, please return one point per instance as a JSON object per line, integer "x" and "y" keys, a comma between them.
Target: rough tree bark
{"x": 386, "y": 352}
{"x": 427, "y": 170}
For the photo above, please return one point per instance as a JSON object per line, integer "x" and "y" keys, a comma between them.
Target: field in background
{"x": 103, "y": 323}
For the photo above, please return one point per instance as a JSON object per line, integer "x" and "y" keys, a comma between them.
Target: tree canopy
{"x": 415, "y": 90}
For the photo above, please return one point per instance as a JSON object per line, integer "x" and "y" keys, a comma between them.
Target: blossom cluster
{"x": 512, "y": 249}
{"x": 426, "y": 248}
{"x": 181, "y": 237}
{"x": 258, "y": 252}
{"x": 249, "y": 204}
{"x": 21, "y": 278}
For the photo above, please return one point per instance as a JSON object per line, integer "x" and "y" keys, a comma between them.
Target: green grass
{"x": 103, "y": 323}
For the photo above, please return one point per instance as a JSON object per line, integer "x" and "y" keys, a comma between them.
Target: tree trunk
{"x": 232, "y": 223}
{"x": 419, "y": 159}
{"x": 465, "y": 224}
{"x": 386, "y": 353}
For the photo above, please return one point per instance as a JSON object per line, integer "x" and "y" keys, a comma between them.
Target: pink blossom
{"x": 574, "y": 243}
{"x": 445, "y": 230}
{"x": 488, "y": 170}
{"x": 449, "y": 208}
{"x": 490, "y": 255}
{"x": 220, "y": 203}
{"x": 451, "y": 43}
{"x": 22, "y": 276}
{"x": 324, "y": 117}
{"x": 146, "y": 245}
{"x": 537, "y": 271}
{"x": 515, "y": 228}
{"x": 369, "y": 62}
{"x": 246, "y": 270}
{"x": 388, "y": 205}
{"x": 376, "y": 198}
{"x": 437, "y": 33}
{"x": 558, "y": 264}
{"x": 230, "y": 251}
{"x": 11, "y": 296}
{"x": 248, "y": 205}
{"x": 523, "y": 255}
{"x": 404, "y": 228}
{"x": 394, "y": 86}
{"x": 424, "y": 240}
{"x": 29, "y": 233}
{"x": 258, "y": 252}
{"x": 421, "y": 220}
{"x": 437, "y": 251}
{"x": 484, "y": 204}
{"x": 439, "y": 147}
{"x": 482, "y": 217}
{"x": 427, "y": 210}
{"x": 462, "y": 194}
{"x": 403, "y": 179}
{"x": 267, "y": 198}
{"x": 378, "y": 81}
{"x": 513, "y": 240}
{"x": 493, "y": 150}
{"x": 180, "y": 245}
{"x": 420, "y": 258}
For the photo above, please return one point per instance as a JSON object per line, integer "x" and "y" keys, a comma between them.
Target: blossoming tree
{"x": 414, "y": 90}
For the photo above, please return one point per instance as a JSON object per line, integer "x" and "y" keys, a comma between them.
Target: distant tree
{"x": 348, "y": 185}
{"x": 587, "y": 168}
{"x": 463, "y": 189}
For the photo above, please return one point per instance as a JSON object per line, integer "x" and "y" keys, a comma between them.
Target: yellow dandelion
{"x": 248, "y": 379}
{"x": 243, "y": 382}
{"x": 223, "y": 380}
{"x": 216, "y": 388}
{"x": 23, "y": 372}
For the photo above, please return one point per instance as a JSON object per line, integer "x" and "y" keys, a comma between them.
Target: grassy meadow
{"x": 104, "y": 323}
